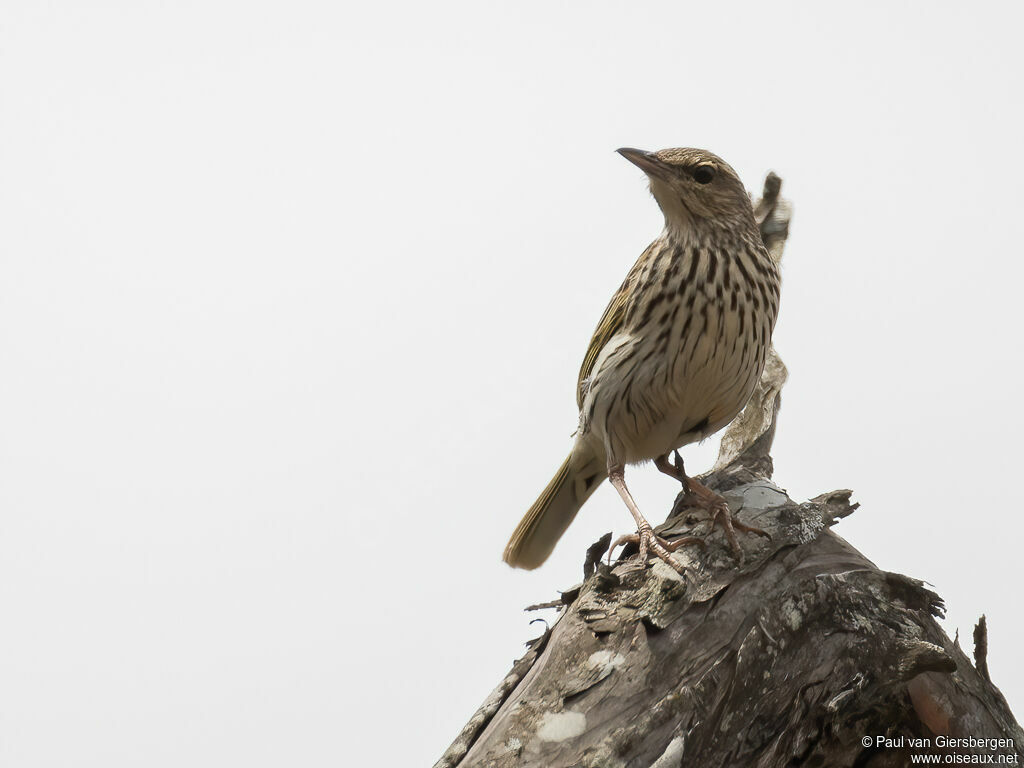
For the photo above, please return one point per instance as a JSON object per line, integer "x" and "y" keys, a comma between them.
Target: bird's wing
{"x": 612, "y": 321}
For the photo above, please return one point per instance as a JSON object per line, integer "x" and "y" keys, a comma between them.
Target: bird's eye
{"x": 703, "y": 174}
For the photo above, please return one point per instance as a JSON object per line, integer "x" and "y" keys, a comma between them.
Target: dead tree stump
{"x": 805, "y": 655}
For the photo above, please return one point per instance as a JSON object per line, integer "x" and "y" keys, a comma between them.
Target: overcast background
{"x": 293, "y": 297}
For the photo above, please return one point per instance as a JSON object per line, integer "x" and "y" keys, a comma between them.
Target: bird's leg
{"x": 702, "y": 496}
{"x": 672, "y": 470}
{"x": 645, "y": 536}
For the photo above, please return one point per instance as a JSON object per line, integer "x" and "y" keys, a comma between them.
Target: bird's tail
{"x": 546, "y": 521}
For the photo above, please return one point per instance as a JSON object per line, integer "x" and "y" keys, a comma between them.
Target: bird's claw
{"x": 646, "y": 539}
{"x": 720, "y": 514}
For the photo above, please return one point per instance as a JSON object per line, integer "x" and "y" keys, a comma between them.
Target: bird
{"x": 674, "y": 358}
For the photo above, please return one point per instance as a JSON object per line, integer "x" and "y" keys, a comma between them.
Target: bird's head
{"x": 693, "y": 186}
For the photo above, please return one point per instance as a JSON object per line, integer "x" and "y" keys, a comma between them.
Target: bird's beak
{"x": 648, "y": 162}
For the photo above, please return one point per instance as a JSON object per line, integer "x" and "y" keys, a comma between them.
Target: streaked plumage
{"x": 677, "y": 353}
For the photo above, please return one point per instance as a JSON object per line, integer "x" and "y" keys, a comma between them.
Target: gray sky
{"x": 293, "y": 300}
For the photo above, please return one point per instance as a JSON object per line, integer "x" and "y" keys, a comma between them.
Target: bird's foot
{"x": 720, "y": 514}
{"x": 646, "y": 539}
{"x": 701, "y": 496}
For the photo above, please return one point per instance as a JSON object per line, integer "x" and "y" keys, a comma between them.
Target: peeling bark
{"x": 794, "y": 658}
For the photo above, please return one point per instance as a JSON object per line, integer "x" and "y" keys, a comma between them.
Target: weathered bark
{"x": 796, "y": 657}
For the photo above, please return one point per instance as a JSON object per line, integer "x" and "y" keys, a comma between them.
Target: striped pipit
{"x": 675, "y": 356}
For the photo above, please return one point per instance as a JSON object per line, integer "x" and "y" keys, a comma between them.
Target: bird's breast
{"x": 689, "y": 359}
